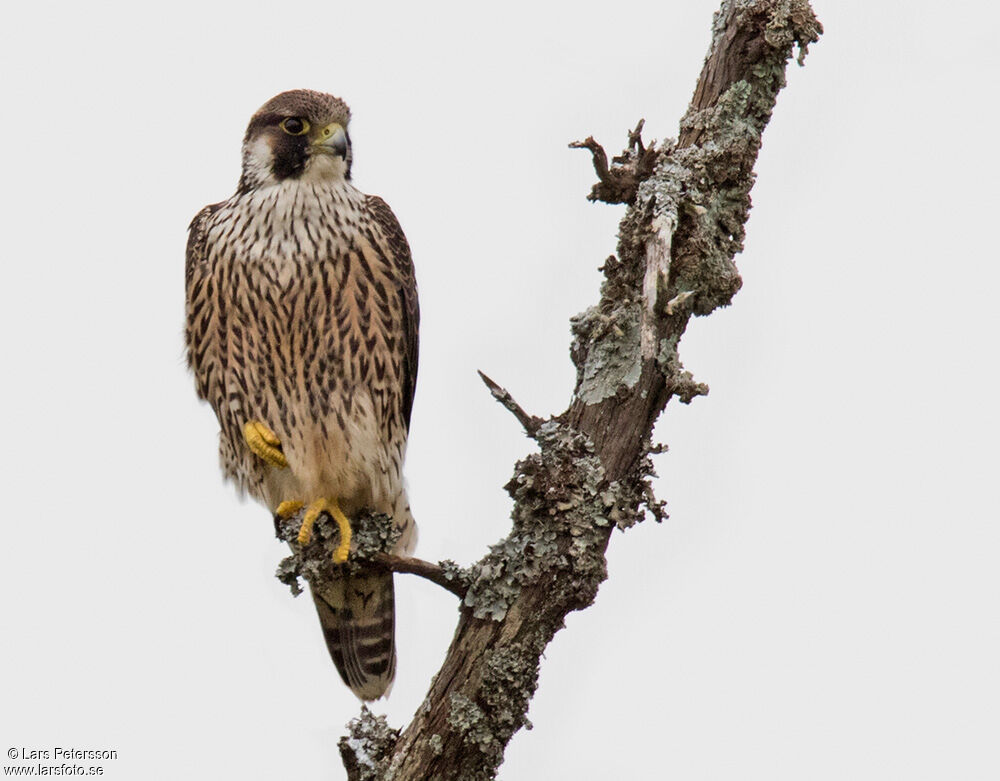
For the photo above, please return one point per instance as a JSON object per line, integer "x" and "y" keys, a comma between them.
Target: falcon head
{"x": 299, "y": 134}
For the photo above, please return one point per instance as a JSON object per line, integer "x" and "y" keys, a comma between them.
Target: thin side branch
{"x": 635, "y": 138}
{"x": 620, "y": 183}
{"x": 448, "y": 578}
{"x": 374, "y": 537}
{"x": 530, "y": 423}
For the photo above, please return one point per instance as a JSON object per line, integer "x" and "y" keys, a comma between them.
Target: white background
{"x": 823, "y": 601}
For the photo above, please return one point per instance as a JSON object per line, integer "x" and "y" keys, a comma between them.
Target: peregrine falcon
{"x": 302, "y": 325}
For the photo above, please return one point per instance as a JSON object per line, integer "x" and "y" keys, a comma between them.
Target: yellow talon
{"x": 264, "y": 443}
{"x": 287, "y": 509}
{"x": 312, "y": 513}
{"x": 309, "y": 520}
{"x": 340, "y": 555}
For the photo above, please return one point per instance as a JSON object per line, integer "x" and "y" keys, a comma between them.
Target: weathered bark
{"x": 688, "y": 203}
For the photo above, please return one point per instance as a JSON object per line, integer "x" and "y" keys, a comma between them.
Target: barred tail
{"x": 358, "y": 619}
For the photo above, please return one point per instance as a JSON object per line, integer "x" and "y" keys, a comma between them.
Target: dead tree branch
{"x": 688, "y": 202}
{"x": 529, "y": 422}
{"x": 446, "y": 575}
{"x": 374, "y": 538}
{"x": 620, "y": 184}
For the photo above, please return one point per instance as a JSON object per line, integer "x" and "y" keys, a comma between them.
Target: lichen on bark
{"x": 367, "y": 747}
{"x": 611, "y": 343}
{"x": 560, "y": 500}
{"x": 372, "y": 533}
{"x": 687, "y": 203}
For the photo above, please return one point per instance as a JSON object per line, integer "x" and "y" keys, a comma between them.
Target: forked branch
{"x": 620, "y": 183}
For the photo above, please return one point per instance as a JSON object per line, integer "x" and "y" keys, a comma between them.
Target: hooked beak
{"x": 332, "y": 140}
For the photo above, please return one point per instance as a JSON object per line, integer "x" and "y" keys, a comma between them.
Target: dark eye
{"x": 295, "y": 126}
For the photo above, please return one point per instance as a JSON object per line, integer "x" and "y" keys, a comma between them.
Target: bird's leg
{"x": 309, "y": 519}
{"x": 264, "y": 443}
{"x": 340, "y": 555}
{"x": 313, "y": 512}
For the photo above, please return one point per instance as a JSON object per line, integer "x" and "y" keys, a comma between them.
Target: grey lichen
{"x": 679, "y": 380}
{"x": 561, "y": 501}
{"x": 789, "y": 23}
{"x": 456, "y": 573}
{"x": 633, "y": 498}
{"x": 371, "y": 533}
{"x": 367, "y": 747}
{"x": 716, "y": 175}
{"x": 289, "y": 572}
{"x": 607, "y": 343}
{"x": 509, "y": 681}
{"x": 705, "y": 222}
{"x": 699, "y": 195}
{"x": 612, "y": 346}
{"x": 468, "y": 719}
{"x": 792, "y": 23}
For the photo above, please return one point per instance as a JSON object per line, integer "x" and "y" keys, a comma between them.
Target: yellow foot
{"x": 283, "y": 512}
{"x": 340, "y": 555}
{"x": 265, "y": 443}
{"x": 312, "y": 514}
{"x": 287, "y": 509}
